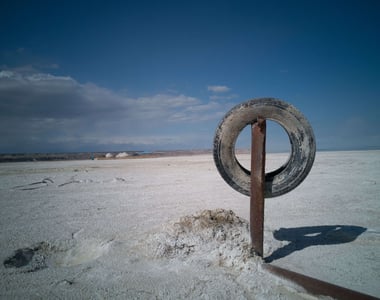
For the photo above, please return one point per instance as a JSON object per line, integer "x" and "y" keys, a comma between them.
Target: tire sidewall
{"x": 301, "y": 138}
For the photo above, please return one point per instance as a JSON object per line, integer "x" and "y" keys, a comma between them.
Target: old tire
{"x": 301, "y": 137}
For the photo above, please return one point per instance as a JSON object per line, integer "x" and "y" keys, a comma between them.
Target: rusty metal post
{"x": 318, "y": 287}
{"x": 257, "y": 185}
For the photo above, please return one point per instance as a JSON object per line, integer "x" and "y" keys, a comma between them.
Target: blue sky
{"x": 159, "y": 75}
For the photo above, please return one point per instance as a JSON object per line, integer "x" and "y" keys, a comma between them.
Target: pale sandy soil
{"x": 130, "y": 229}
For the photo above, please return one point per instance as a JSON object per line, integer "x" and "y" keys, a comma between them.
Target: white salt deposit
{"x": 171, "y": 228}
{"x": 122, "y": 155}
{"x": 218, "y": 236}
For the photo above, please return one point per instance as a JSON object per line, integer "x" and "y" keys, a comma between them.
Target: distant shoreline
{"x": 30, "y": 157}
{"x": 68, "y": 156}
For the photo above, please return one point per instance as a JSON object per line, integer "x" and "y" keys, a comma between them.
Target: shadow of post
{"x": 303, "y": 237}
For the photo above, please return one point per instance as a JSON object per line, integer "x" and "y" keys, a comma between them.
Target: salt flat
{"x": 171, "y": 228}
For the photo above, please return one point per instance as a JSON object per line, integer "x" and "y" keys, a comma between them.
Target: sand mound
{"x": 217, "y": 236}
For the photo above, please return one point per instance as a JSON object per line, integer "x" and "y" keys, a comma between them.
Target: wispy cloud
{"x": 218, "y": 88}
{"x": 223, "y": 97}
{"x": 58, "y": 112}
{"x": 220, "y": 92}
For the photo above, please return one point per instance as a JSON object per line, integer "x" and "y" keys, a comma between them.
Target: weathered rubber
{"x": 301, "y": 137}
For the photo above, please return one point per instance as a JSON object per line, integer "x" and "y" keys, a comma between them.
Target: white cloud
{"x": 41, "y": 77}
{"x": 218, "y": 88}
{"x": 43, "y": 110}
{"x": 6, "y": 74}
{"x": 223, "y": 97}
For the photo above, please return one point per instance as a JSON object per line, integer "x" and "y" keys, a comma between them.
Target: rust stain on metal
{"x": 316, "y": 286}
{"x": 257, "y": 185}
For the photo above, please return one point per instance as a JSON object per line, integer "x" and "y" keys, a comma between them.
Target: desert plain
{"x": 171, "y": 228}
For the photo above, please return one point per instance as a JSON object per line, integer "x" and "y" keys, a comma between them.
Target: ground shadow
{"x": 303, "y": 237}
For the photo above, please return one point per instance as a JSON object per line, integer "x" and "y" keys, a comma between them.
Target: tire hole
{"x": 278, "y": 148}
